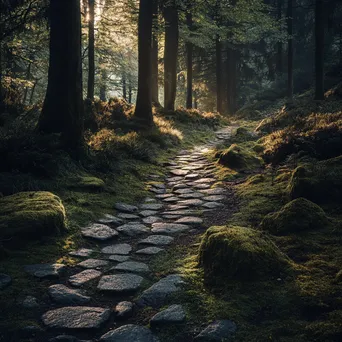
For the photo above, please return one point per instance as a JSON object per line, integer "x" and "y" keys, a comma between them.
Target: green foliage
{"x": 31, "y": 214}
{"x": 234, "y": 252}
{"x": 296, "y": 216}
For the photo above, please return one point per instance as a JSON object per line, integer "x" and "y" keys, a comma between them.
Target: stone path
{"x": 116, "y": 265}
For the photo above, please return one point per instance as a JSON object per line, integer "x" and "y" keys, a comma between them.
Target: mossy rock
{"x": 31, "y": 214}
{"x": 296, "y": 216}
{"x": 237, "y": 157}
{"x": 239, "y": 253}
{"x": 87, "y": 183}
{"x": 320, "y": 182}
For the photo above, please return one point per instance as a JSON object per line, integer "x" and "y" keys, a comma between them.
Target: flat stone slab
{"x": 93, "y": 263}
{"x": 76, "y": 317}
{"x": 82, "y": 252}
{"x": 66, "y": 338}
{"x": 45, "y": 270}
{"x": 149, "y": 251}
{"x": 157, "y": 240}
{"x": 205, "y": 180}
{"x": 30, "y": 302}
{"x": 129, "y": 333}
{"x": 110, "y": 219}
{"x": 156, "y": 295}
{"x": 124, "y": 309}
{"x": 201, "y": 186}
{"x": 151, "y": 206}
{"x": 191, "y": 202}
{"x": 217, "y": 331}
{"x": 146, "y": 213}
{"x": 172, "y": 315}
{"x": 179, "y": 186}
{"x": 162, "y": 196}
{"x": 179, "y": 172}
{"x": 171, "y": 217}
{"x": 212, "y": 205}
{"x": 157, "y": 191}
{"x": 190, "y": 220}
{"x": 118, "y": 258}
{"x": 125, "y": 208}
{"x": 127, "y": 216}
{"x": 171, "y": 199}
{"x": 214, "y": 198}
{"x": 5, "y": 280}
{"x": 183, "y": 191}
{"x": 132, "y": 266}
{"x": 99, "y": 231}
{"x": 179, "y": 212}
{"x": 192, "y": 175}
{"x": 152, "y": 219}
{"x": 192, "y": 195}
{"x": 174, "y": 179}
{"x": 64, "y": 295}
{"x": 168, "y": 228}
{"x": 132, "y": 229}
{"x": 214, "y": 191}
{"x": 177, "y": 207}
{"x": 120, "y": 248}
{"x": 83, "y": 277}
{"x": 120, "y": 283}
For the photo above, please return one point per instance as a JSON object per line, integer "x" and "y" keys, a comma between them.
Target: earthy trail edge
{"x": 115, "y": 271}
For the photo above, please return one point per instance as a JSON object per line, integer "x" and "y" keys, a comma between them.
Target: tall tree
{"x": 219, "y": 83}
{"x": 91, "y": 49}
{"x": 189, "y": 62}
{"x": 319, "y": 50}
{"x": 290, "y": 50}
{"x": 170, "y": 54}
{"x": 143, "y": 110}
{"x": 279, "y": 61}
{"x": 155, "y": 58}
{"x": 63, "y": 106}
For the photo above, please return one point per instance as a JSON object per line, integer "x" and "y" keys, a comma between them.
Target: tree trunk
{"x": 143, "y": 110}
{"x": 319, "y": 50}
{"x": 155, "y": 52}
{"x": 124, "y": 88}
{"x": 231, "y": 80}
{"x": 63, "y": 106}
{"x": 189, "y": 66}
{"x": 91, "y": 50}
{"x": 219, "y": 97}
{"x": 28, "y": 72}
{"x": 170, "y": 55}
{"x": 279, "y": 62}
{"x": 32, "y": 91}
{"x": 290, "y": 50}
{"x": 195, "y": 100}
{"x": 130, "y": 91}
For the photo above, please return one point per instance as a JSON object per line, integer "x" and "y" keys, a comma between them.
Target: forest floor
{"x": 178, "y": 198}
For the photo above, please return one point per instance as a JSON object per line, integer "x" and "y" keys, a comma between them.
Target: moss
{"x": 320, "y": 182}
{"x": 31, "y": 213}
{"x": 238, "y": 157}
{"x": 86, "y": 183}
{"x": 239, "y": 253}
{"x": 296, "y": 216}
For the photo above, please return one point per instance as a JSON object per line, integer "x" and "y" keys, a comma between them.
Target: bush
{"x": 31, "y": 214}
{"x": 296, "y": 216}
{"x": 239, "y": 253}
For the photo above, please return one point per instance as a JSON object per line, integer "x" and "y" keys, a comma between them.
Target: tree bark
{"x": 189, "y": 66}
{"x": 319, "y": 50}
{"x": 219, "y": 90}
{"x": 231, "y": 80}
{"x": 124, "y": 87}
{"x": 279, "y": 62}
{"x": 290, "y": 50}
{"x": 143, "y": 110}
{"x": 91, "y": 50}
{"x": 170, "y": 55}
{"x": 63, "y": 105}
{"x": 155, "y": 53}
{"x": 32, "y": 91}
{"x": 130, "y": 91}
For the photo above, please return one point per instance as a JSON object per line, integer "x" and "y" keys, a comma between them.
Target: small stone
{"x": 76, "y": 317}
{"x": 149, "y": 200}
{"x": 171, "y": 315}
{"x": 149, "y": 250}
{"x": 157, "y": 191}
{"x": 83, "y": 277}
{"x": 177, "y": 207}
{"x": 168, "y": 228}
{"x": 124, "y": 309}
{"x": 110, "y": 219}
{"x": 214, "y": 198}
{"x": 192, "y": 195}
{"x": 122, "y": 249}
{"x": 45, "y": 270}
{"x": 162, "y": 196}
{"x": 204, "y": 180}
{"x": 93, "y": 263}
{"x": 30, "y": 302}
{"x": 126, "y": 216}
{"x": 151, "y": 206}
{"x": 184, "y": 191}
{"x": 171, "y": 217}
{"x": 192, "y": 176}
{"x": 118, "y": 258}
{"x": 129, "y": 333}
{"x": 125, "y": 208}
{"x": 179, "y": 186}
{"x": 146, "y": 213}
{"x": 5, "y": 280}
{"x": 63, "y": 295}
{"x": 99, "y": 231}
{"x": 179, "y": 212}
{"x": 171, "y": 199}
{"x": 201, "y": 186}
{"x": 132, "y": 266}
{"x": 190, "y": 220}
{"x": 214, "y": 191}
{"x": 174, "y": 179}
{"x": 152, "y": 219}
{"x": 120, "y": 283}
{"x": 223, "y": 330}
{"x": 132, "y": 229}
{"x": 191, "y": 202}
{"x": 159, "y": 185}
{"x": 179, "y": 172}
{"x": 158, "y": 240}
{"x": 82, "y": 252}
{"x": 212, "y": 205}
